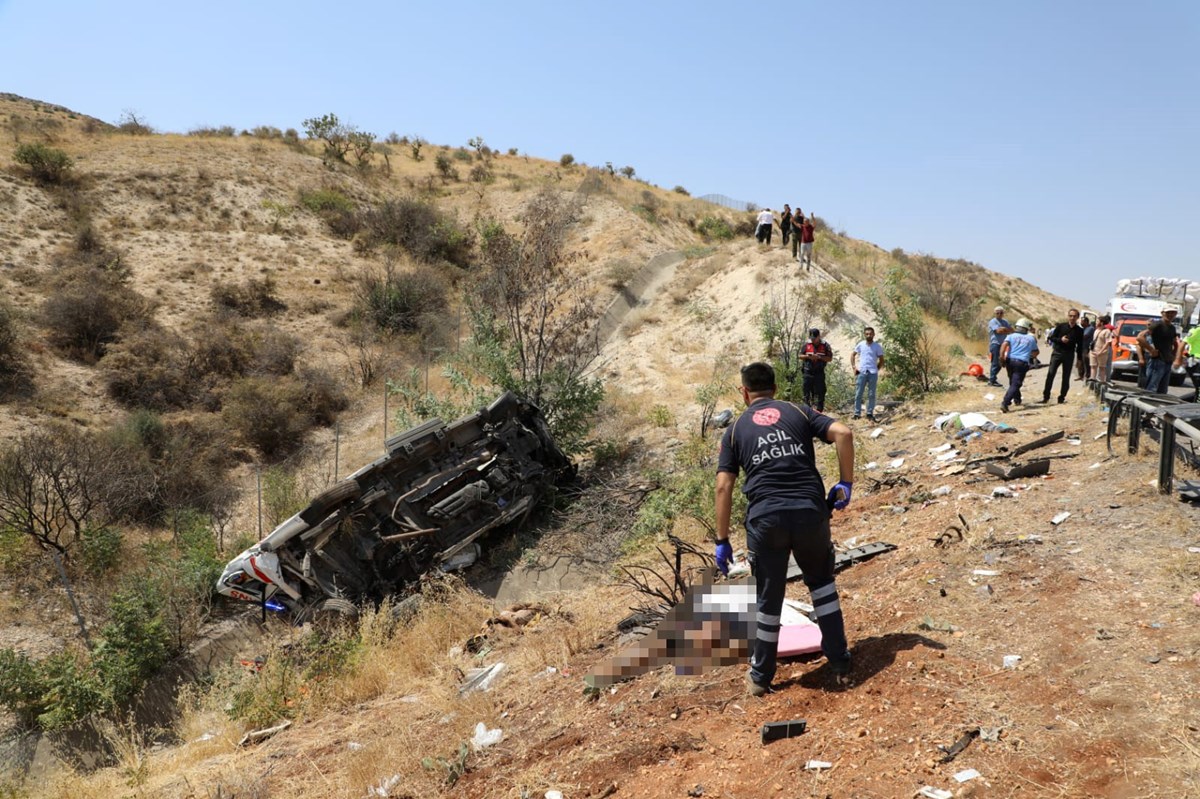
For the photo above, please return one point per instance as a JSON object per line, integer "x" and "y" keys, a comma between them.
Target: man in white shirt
{"x": 766, "y": 226}
{"x": 866, "y": 361}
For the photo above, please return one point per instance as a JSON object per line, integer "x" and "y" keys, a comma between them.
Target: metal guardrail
{"x": 1169, "y": 417}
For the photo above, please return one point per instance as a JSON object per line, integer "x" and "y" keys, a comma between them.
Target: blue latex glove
{"x": 724, "y": 555}
{"x": 840, "y": 504}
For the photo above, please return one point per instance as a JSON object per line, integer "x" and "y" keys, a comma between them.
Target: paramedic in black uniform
{"x": 788, "y": 513}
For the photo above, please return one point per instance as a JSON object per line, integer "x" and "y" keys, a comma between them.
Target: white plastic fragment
{"x": 942, "y": 448}
{"x": 355, "y": 746}
{"x": 483, "y": 737}
{"x": 986, "y": 573}
{"x": 554, "y": 795}
{"x": 1060, "y": 518}
{"x": 940, "y": 491}
{"x": 1194, "y": 550}
{"x": 966, "y": 774}
{"x": 385, "y": 787}
{"x": 896, "y": 464}
{"x": 1094, "y": 466}
{"x": 871, "y": 465}
{"x": 1011, "y": 661}
{"x": 989, "y": 396}
{"x": 947, "y": 456}
{"x": 817, "y": 765}
{"x": 877, "y": 432}
{"x": 1098, "y": 436}
{"x": 929, "y": 792}
{"x": 1002, "y": 491}
{"x": 480, "y": 679}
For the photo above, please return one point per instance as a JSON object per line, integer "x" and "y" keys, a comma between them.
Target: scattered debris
{"x": 897, "y": 463}
{"x": 940, "y": 491}
{"x": 1002, "y": 491}
{"x": 1037, "y": 443}
{"x": 483, "y": 737}
{"x": 989, "y": 734}
{"x": 385, "y": 787}
{"x": 929, "y": 623}
{"x": 1060, "y": 518}
{"x": 697, "y": 791}
{"x": 951, "y": 752}
{"x": 948, "y": 535}
{"x": 1031, "y": 469}
{"x": 817, "y": 765}
{"x": 258, "y": 736}
{"x": 946, "y": 456}
{"x": 966, "y": 775}
{"x": 554, "y": 795}
{"x": 776, "y": 730}
{"x": 1104, "y": 635}
{"x": 929, "y": 792}
{"x": 985, "y": 573}
{"x": 943, "y": 448}
{"x": 480, "y": 679}
{"x": 871, "y": 465}
{"x": 877, "y": 432}
{"x": 1011, "y": 661}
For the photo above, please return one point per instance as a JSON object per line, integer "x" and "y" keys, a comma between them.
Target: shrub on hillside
{"x": 397, "y": 301}
{"x": 445, "y": 167}
{"x": 321, "y": 395}
{"x": 150, "y": 369}
{"x": 15, "y": 372}
{"x": 266, "y": 414}
{"x": 323, "y": 201}
{"x": 420, "y": 229}
{"x": 84, "y": 317}
{"x": 207, "y": 131}
{"x": 255, "y": 297}
{"x": 46, "y": 164}
{"x": 566, "y": 160}
{"x": 714, "y": 228}
{"x": 682, "y": 190}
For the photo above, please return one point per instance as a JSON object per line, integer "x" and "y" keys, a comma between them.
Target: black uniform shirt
{"x": 773, "y": 442}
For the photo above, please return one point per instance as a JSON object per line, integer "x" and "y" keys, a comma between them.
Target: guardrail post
{"x": 1135, "y": 427}
{"x": 1166, "y": 458}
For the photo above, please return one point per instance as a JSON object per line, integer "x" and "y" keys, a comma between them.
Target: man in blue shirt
{"x": 998, "y": 328}
{"x": 788, "y": 514}
{"x": 1017, "y": 352}
{"x": 866, "y": 361}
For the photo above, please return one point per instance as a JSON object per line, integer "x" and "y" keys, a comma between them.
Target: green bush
{"x": 100, "y": 550}
{"x": 420, "y": 229}
{"x": 915, "y": 365}
{"x": 321, "y": 201}
{"x": 15, "y": 370}
{"x": 566, "y": 160}
{"x": 47, "y": 165}
{"x": 714, "y": 227}
{"x": 445, "y": 167}
{"x": 133, "y": 645}
{"x": 682, "y": 190}
{"x": 398, "y": 301}
{"x": 208, "y": 131}
{"x": 322, "y": 395}
{"x": 150, "y": 369}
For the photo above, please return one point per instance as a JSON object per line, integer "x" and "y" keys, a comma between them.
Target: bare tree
{"x": 54, "y": 484}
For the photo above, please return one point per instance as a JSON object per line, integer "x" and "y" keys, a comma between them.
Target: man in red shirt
{"x": 806, "y": 242}
{"x": 815, "y": 353}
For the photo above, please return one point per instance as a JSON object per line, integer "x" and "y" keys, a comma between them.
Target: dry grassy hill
{"x": 187, "y": 220}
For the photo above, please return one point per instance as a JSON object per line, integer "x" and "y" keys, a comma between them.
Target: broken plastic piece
{"x": 817, "y": 765}
{"x": 1002, "y": 491}
{"x": 1011, "y": 661}
{"x": 483, "y": 737}
{"x": 1060, "y": 518}
{"x": 480, "y": 679}
{"x": 1031, "y": 469}
{"x": 966, "y": 774}
{"x": 949, "y": 753}
{"x": 929, "y": 792}
{"x": 940, "y": 491}
{"x": 775, "y": 730}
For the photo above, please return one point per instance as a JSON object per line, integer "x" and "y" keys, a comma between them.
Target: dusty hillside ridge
{"x": 1101, "y": 703}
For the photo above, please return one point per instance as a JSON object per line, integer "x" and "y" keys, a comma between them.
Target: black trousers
{"x": 1066, "y": 361}
{"x": 787, "y": 232}
{"x": 1016, "y": 378}
{"x": 763, "y": 233}
{"x": 803, "y": 534}
{"x": 814, "y": 390}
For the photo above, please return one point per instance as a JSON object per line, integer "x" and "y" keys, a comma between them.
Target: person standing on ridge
{"x": 807, "y": 238}
{"x": 866, "y": 361}
{"x": 998, "y": 329}
{"x": 766, "y": 226}
{"x": 815, "y": 353}
{"x": 1161, "y": 342}
{"x": 1083, "y": 367}
{"x": 785, "y": 224}
{"x": 788, "y": 513}
{"x": 1067, "y": 341}
{"x": 1017, "y": 352}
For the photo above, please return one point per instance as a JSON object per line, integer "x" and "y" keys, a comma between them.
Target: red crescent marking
{"x": 766, "y": 417}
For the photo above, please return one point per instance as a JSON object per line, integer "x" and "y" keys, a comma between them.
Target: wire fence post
{"x": 385, "y": 412}
{"x": 337, "y": 447}
{"x": 258, "y": 474}
{"x": 62, "y": 573}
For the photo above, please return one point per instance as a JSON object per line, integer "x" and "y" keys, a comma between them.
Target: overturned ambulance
{"x": 438, "y": 488}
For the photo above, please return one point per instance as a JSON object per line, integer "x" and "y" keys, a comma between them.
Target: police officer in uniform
{"x": 788, "y": 514}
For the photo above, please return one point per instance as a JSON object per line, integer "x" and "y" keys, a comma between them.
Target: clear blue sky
{"x": 1055, "y": 141}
